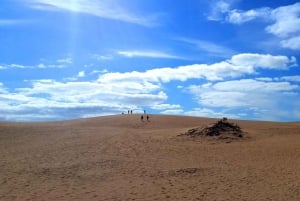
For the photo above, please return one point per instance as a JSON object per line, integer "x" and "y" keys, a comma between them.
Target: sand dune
{"x": 122, "y": 158}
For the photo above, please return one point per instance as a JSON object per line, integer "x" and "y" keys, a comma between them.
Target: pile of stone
{"x": 222, "y": 129}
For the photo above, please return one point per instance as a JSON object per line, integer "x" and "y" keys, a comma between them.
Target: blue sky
{"x": 67, "y": 59}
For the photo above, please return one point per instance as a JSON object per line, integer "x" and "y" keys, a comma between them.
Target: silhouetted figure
{"x": 144, "y": 111}
{"x": 142, "y": 118}
{"x": 130, "y": 111}
{"x": 147, "y": 117}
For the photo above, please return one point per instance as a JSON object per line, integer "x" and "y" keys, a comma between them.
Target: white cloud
{"x": 147, "y": 53}
{"x": 218, "y": 9}
{"x": 286, "y": 25}
{"x": 99, "y": 71}
{"x": 209, "y": 47}
{"x": 65, "y": 61}
{"x": 250, "y": 85}
{"x": 81, "y": 74}
{"x": 100, "y": 8}
{"x": 173, "y": 111}
{"x": 238, "y": 65}
{"x": 76, "y": 91}
{"x": 265, "y": 79}
{"x": 205, "y": 112}
{"x": 166, "y": 107}
{"x": 50, "y": 99}
{"x": 283, "y": 22}
{"x": 295, "y": 78}
{"x": 291, "y": 43}
{"x": 260, "y": 98}
{"x": 2, "y": 89}
{"x": 286, "y": 21}
{"x": 16, "y": 66}
{"x": 263, "y": 60}
{"x": 41, "y": 65}
{"x": 239, "y": 17}
{"x": 60, "y": 63}
{"x": 8, "y": 66}
{"x": 102, "y": 57}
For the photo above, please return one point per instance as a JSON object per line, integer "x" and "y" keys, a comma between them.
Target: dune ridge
{"x": 120, "y": 157}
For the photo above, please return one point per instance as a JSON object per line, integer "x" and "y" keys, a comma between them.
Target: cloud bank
{"x": 220, "y": 93}
{"x": 282, "y": 22}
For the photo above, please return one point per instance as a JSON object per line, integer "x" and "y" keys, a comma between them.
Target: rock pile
{"x": 222, "y": 129}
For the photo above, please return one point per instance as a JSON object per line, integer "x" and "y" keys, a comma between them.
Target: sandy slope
{"x": 121, "y": 158}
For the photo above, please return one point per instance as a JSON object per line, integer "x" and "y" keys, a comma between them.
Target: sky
{"x": 69, "y": 59}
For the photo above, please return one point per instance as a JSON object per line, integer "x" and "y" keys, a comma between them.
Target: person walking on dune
{"x": 142, "y": 118}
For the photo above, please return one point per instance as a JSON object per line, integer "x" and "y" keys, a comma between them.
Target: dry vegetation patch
{"x": 220, "y": 130}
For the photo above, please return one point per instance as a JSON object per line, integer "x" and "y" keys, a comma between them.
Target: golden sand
{"x": 122, "y": 158}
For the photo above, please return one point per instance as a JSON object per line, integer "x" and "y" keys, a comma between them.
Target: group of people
{"x": 142, "y": 116}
